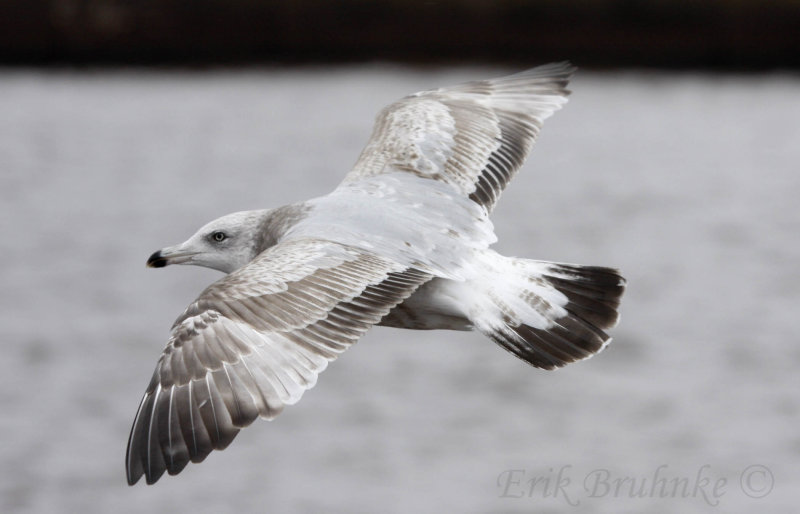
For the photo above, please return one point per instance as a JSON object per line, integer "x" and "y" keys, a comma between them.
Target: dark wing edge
{"x": 229, "y": 361}
{"x": 474, "y": 136}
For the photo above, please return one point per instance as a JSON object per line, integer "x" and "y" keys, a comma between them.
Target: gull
{"x": 404, "y": 241}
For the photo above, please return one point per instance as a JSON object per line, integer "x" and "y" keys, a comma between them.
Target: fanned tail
{"x": 548, "y": 314}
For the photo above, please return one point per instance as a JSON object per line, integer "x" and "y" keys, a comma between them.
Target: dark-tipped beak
{"x": 171, "y": 255}
{"x": 157, "y": 260}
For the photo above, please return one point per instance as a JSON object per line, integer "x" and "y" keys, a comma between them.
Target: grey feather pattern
{"x": 253, "y": 342}
{"x": 473, "y": 136}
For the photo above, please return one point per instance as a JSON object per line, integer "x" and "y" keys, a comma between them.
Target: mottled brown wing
{"x": 474, "y": 136}
{"x": 253, "y": 342}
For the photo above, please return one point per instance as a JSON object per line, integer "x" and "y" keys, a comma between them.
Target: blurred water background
{"x": 688, "y": 182}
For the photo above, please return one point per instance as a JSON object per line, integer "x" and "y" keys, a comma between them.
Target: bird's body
{"x": 404, "y": 241}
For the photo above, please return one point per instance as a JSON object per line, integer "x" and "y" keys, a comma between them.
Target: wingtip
{"x": 563, "y": 69}
{"x": 555, "y": 76}
{"x": 134, "y": 475}
{"x": 567, "y": 66}
{"x": 131, "y": 474}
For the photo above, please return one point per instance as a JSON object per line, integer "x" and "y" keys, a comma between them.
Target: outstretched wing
{"x": 474, "y": 136}
{"x": 255, "y": 341}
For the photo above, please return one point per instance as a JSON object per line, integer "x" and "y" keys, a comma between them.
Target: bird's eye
{"x": 219, "y": 236}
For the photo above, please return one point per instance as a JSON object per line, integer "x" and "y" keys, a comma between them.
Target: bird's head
{"x": 226, "y": 244}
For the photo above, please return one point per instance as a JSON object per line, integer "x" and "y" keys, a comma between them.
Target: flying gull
{"x": 404, "y": 241}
